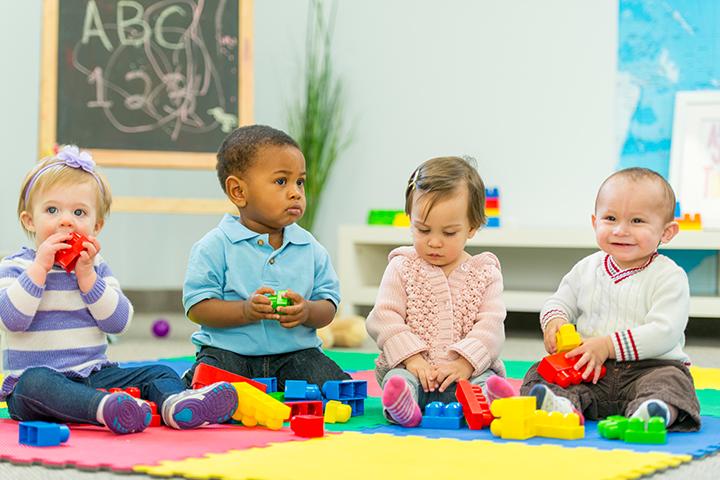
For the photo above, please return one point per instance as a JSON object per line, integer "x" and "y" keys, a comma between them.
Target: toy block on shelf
{"x": 383, "y": 217}
{"x": 401, "y": 220}
{"x": 567, "y": 338}
{"x": 336, "y": 412}
{"x": 207, "y": 375}
{"x": 492, "y": 202}
{"x": 309, "y": 426}
{"x": 42, "y": 434}
{"x": 269, "y": 382}
{"x": 634, "y": 430}
{"x": 342, "y": 389}
{"x": 493, "y": 222}
{"x": 558, "y": 425}
{"x": 314, "y": 407}
{"x": 493, "y": 192}
{"x": 258, "y": 408}
{"x": 440, "y": 415}
{"x": 561, "y": 371}
{"x": 514, "y": 418}
{"x": 301, "y": 390}
{"x": 475, "y": 406}
{"x": 492, "y": 212}
{"x": 686, "y": 222}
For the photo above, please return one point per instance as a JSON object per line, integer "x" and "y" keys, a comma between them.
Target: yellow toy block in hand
{"x": 258, "y": 408}
{"x": 515, "y": 418}
{"x": 337, "y": 412}
{"x": 558, "y": 425}
{"x": 567, "y": 338}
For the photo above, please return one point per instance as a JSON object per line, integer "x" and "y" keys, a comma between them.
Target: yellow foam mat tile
{"x": 353, "y": 455}
{"x": 706, "y": 378}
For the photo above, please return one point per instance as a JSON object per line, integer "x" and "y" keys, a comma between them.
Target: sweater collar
{"x": 617, "y": 274}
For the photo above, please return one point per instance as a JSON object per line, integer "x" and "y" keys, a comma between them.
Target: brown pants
{"x": 628, "y": 384}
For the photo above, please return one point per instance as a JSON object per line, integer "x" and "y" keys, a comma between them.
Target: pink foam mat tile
{"x": 92, "y": 447}
{"x": 374, "y": 389}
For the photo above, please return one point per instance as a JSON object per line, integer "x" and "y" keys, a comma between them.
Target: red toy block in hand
{"x": 561, "y": 371}
{"x": 68, "y": 257}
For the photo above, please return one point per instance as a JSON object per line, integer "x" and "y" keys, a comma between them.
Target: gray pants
{"x": 421, "y": 397}
{"x": 628, "y": 384}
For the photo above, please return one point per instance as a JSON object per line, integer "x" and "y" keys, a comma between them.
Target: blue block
{"x": 300, "y": 390}
{"x": 357, "y": 406}
{"x": 439, "y": 415}
{"x": 492, "y": 192}
{"x": 345, "y": 389}
{"x": 269, "y": 382}
{"x": 43, "y": 434}
{"x": 493, "y": 222}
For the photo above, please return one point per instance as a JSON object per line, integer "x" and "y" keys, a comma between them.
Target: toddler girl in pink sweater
{"x": 439, "y": 314}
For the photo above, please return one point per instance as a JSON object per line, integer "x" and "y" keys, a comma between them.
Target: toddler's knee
{"x": 163, "y": 371}
{"x": 35, "y": 379}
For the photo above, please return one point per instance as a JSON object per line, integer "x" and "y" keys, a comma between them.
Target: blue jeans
{"x": 45, "y": 394}
{"x": 311, "y": 365}
{"x": 423, "y": 398}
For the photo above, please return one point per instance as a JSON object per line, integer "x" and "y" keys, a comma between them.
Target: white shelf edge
{"x": 530, "y": 301}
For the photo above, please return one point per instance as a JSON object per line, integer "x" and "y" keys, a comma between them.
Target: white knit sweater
{"x": 644, "y": 310}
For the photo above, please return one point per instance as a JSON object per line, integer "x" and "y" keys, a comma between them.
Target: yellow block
{"x": 336, "y": 411}
{"x": 357, "y": 456}
{"x": 567, "y": 338}
{"x": 257, "y": 407}
{"x": 706, "y": 377}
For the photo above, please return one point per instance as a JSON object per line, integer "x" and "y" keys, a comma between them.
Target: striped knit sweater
{"x": 643, "y": 310}
{"x": 420, "y": 310}
{"x": 56, "y": 325}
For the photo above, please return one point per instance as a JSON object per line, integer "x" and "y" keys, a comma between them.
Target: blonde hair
{"x": 440, "y": 177}
{"x": 636, "y": 174}
{"x": 53, "y": 171}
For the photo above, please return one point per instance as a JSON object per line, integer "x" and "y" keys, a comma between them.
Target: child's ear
{"x": 27, "y": 221}
{"x": 594, "y": 220}
{"x": 99, "y": 224}
{"x": 472, "y": 232}
{"x": 671, "y": 229}
{"x": 236, "y": 190}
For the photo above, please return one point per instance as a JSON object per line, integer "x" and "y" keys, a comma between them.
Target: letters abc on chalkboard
{"x": 146, "y": 74}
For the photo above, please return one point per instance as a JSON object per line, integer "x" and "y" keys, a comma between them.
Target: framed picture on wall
{"x": 695, "y": 154}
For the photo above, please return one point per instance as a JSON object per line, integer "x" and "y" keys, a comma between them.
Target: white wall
{"x": 527, "y": 87}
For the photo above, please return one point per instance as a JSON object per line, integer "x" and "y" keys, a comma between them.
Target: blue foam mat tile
{"x": 180, "y": 366}
{"x": 696, "y": 444}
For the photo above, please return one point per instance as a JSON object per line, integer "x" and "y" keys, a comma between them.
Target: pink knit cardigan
{"x": 420, "y": 310}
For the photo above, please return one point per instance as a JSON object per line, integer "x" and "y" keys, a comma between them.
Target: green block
{"x": 638, "y": 432}
{"x": 613, "y": 427}
{"x": 382, "y": 217}
{"x": 279, "y": 300}
{"x": 279, "y": 396}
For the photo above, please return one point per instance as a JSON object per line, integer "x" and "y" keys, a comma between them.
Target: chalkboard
{"x": 156, "y": 83}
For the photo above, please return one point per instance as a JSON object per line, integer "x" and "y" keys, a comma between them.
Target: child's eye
{"x": 637, "y": 220}
{"x": 610, "y": 218}
{"x": 450, "y": 234}
{"x": 301, "y": 182}
{"x": 51, "y": 210}
{"x": 281, "y": 181}
{"x": 78, "y": 212}
{"x": 422, "y": 230}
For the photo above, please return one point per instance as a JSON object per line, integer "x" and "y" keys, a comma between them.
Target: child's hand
{"x": 549, "y": 335}
{"x": 84, "y": 268}
{"x": 258, "y": 306}
{"x": 420, "y": 367}
{"x": 453, "y": 371}
{"x": 45, "y": 255}
{"x": 593, "y": 353}
{"x": 295, "y": 314}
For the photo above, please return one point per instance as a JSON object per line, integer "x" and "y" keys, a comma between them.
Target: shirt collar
{"x": 236, "y": 232}
{"x": 617, "y": 274}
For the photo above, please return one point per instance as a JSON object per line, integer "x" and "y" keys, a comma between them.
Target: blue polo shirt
{"x": 231, "y": 261}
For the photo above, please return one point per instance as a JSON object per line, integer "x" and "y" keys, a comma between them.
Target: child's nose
{"x": 67, "y": 220}
{"x": 434, "y": 242}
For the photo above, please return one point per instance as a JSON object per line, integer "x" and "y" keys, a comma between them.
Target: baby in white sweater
{"x": 631, "y": 306}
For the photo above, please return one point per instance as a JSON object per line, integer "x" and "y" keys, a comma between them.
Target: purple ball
{"x": 161, "y": 327}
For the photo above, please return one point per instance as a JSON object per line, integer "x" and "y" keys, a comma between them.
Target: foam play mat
{"x": 237, "y": 452}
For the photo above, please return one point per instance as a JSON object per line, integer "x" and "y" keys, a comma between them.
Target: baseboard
{"x": 150, "y": 301}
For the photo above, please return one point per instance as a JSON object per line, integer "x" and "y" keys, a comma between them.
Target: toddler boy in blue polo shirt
{"x": 258, "y": 252}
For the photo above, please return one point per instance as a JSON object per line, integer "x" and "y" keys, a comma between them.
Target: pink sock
{"x": 399, "y": 403}
{"x": 498, "y": 387}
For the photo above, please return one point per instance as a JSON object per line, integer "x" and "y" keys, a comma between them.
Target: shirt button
{"x": 261, "y": 242}
{"x": 271, "y": 261}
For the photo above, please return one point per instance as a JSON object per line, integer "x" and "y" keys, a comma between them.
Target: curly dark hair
{"x": 238, "y": 150}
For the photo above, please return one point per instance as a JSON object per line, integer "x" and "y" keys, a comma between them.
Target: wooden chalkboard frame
{"x": 145, "y": 158}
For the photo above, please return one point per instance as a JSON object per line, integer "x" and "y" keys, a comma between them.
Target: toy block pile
{"x": 633, "y": 430}
{"x": 492, "y": 207}
{"x": 516, "y": 418}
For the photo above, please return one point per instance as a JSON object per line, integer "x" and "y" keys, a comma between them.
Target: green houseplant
{"x": 316, "y": 120}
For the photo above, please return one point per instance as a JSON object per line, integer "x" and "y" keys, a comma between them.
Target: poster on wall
{"x": 695, "y": 155}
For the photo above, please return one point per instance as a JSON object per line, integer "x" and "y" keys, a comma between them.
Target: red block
{"x": 314, "y": 407}
{"x": 133, "y": 392}
{"x": 561, "y": 371}
{"x": 67, "y": 258}
{"x": 491, "y": 202}
{"x": 153, "y": 406}
{"x": 207, "y": 375}
{"x": 309, "y": 426}
{"x": 475, "y": 406}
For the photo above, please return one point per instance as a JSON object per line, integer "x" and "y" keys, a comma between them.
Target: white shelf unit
{"x": 533, "y": 262}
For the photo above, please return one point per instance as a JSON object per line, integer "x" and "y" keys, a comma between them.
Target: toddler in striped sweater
{"x": 54, "y": 325}
{"x": 631, "y": 306}
{"x": 439, "y": 315}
